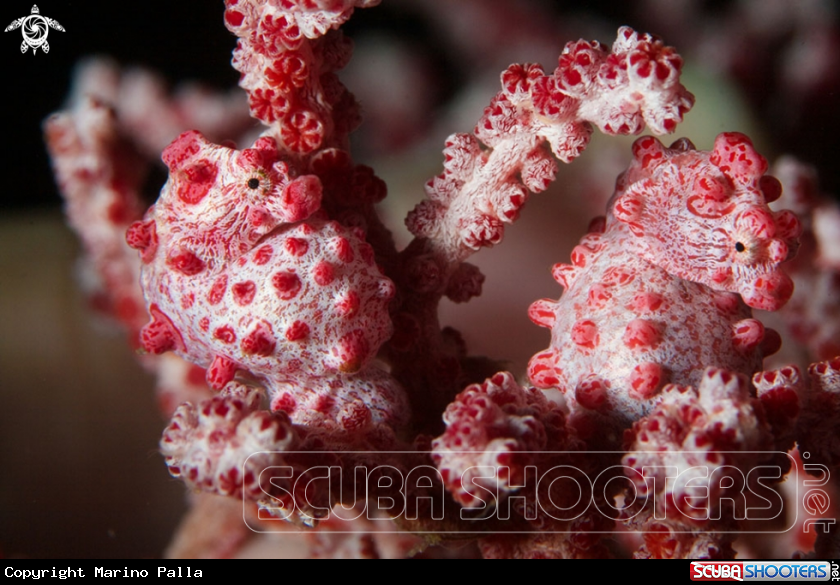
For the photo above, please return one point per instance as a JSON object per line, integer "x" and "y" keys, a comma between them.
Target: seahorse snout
{"x": 768, "y": 291}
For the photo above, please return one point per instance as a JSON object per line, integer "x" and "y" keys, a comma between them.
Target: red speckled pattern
{"x": 686, "y": 233}
{"x": 237, "y": 282}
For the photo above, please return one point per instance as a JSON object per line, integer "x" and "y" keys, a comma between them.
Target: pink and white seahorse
{"x": 662, "y": 288}
{"x": 242, "y": 274}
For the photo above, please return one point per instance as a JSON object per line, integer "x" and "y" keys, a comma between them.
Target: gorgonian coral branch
{"x": 717, "y": 428}
{"x": 232, "y": 446}
{"x": 501, "y": 426}
{"x": 99, "y": 168}
{"x": 817, "y": 433}
{"x": 511, "y": 445}
{"x": 812, "y": 317}
{"x": 287, "y": 61}
{"x": 100, "y": 174}
{"x": 817, "y": 428}
{"x": 149, "y": 114}
{"x": 483, "y": 188}
{"x": 288, "y": 53}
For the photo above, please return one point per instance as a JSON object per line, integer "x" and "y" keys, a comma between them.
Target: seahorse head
{"x": 224, "y": 200}
{"x": 703, "y": 216}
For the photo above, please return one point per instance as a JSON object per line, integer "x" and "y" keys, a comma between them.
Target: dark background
{"x": 183, "y": 40}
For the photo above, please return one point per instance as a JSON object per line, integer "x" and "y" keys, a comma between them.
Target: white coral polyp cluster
{"x": 696, "y": 446}
{"x": 223, "y": 444}
{"x": 495, "y": 430}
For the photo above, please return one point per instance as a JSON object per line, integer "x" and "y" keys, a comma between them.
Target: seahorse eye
{"x": 253, "y": 183}
{"x": 739, "y": 247}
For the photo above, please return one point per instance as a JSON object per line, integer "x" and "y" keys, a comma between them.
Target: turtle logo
{"x": 35, "y": 29}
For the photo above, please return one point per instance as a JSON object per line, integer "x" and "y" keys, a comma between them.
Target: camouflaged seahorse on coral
{"x": 236, "y": 281}
{"x": 687, "y": 237}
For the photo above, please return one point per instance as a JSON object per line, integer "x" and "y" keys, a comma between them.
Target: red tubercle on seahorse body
{"x": 142, "y": 236}
{"x": 736, "y": 157}
{"x": 542, "y": 312}
{"x": 301, "y": 198}
{"x": 591, "y": 393}
{"x": 347, "y": 305}
{"x": 296, "y": 246}
{"x": 244, "y": 292}
{"x": 543, "y": 371}
{"x": 747, "y": 334}
{"x": 185, "y": 262}
{"x": 161, "y": 334}
{"x": 185, "y": 147}
{"x": 585, "y": 334}
{"x": 646, "y": 302}
{"x": 642, "y": 333}
{"x": 225, "y": 334}
{"x": 349, "y": 352}
{"x": 286, "y": 284}
{"x": 646, "y": 380}
{"x": 220, "y": 372}
{"x": 343, "y": 250}
{"x": 217, "y": 290}
{"x": 259, "y": 340}
{"x": 194, "y": 181}
{"x": 263, "y": 255}
{"x": 323, "y": 273}
{"x": 297, "y": 331}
